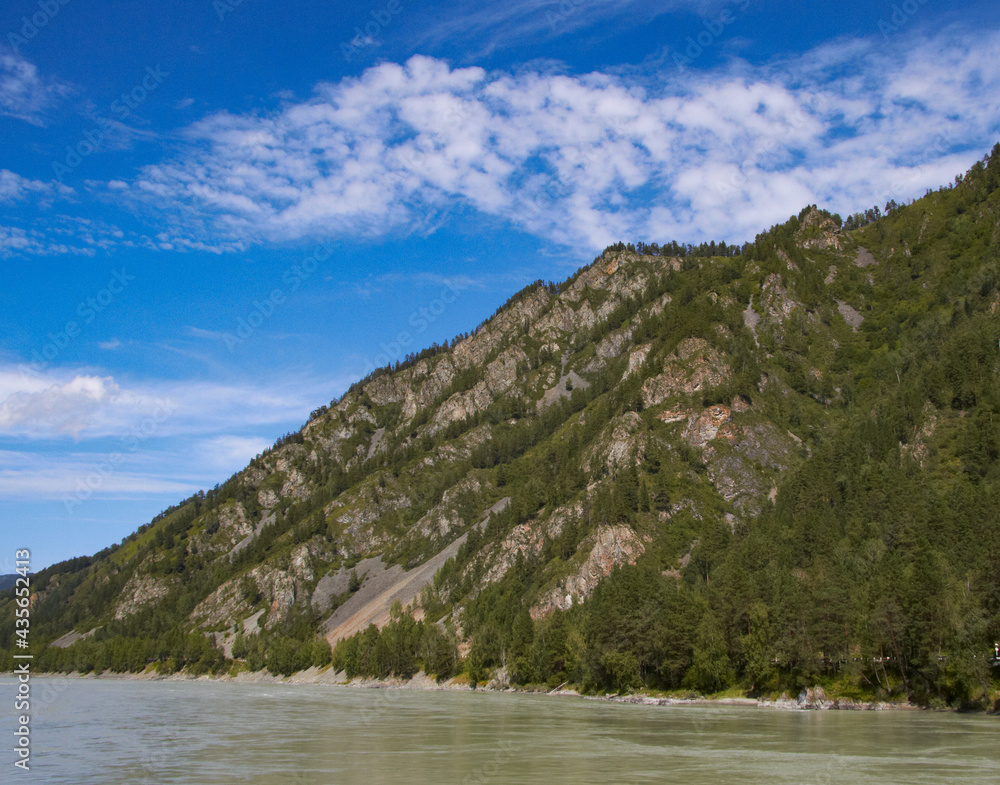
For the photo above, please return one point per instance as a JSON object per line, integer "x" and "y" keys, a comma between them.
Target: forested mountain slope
{"x": 769, "y": 467}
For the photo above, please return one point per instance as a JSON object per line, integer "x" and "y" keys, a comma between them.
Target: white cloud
{"x": 13, "y": 187}
{"x": 493, "y": 26}
{"x": 158, "y": 438}
{"x": 588, "y": 160}
{"x": 84, "y": 405}
{"x": 61, "y": 408}
{"x": 65, "y": 235}
{"x": 24, "y": 93}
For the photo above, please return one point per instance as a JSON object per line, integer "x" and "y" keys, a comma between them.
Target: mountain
{"x": 765, "y": 467}
{"x": 6, "y": 581}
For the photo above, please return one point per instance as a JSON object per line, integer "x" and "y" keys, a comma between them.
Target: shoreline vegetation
{"x": 814, "y": 699}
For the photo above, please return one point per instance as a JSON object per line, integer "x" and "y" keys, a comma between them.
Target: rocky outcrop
{"x": 278, "y": 589}
{"x": 611, "y": 547}
{"x": 695, "y": 366}
{"x": 141, "y": 590}
{"x": 774, "y": 300}
{"x": 714, "y": 422}
{"x": 851, "y": 316}
{"x": 526, "y": 540}
{"x": 356, "y": 516}
{"x": 498, "y": 378}
{"x": 864, "y": 258}
{"x": 919, "y": 448}
{"x": 818, "y": 230}
{"x": 637, "y": 357}
{"x": 621, "y": 444}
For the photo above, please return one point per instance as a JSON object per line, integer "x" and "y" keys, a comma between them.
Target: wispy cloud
{"x": 488, "y": 27}
{"x": 14, "y": 188}
{"x": 226, "y": 452}
{"x": 62, "y": 235}
{"x": 87, "y": 405}
{"x": 24, "y": 93}
{"x": 587, "y": 160}
{"x": 60, "y": 408}
{"x": 33, "y": 476}
{"x": 82, "y": 435}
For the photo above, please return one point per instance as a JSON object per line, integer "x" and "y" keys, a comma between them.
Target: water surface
{"x": 207, "y": 733}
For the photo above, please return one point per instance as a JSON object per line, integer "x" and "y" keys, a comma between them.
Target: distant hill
{"x": 704, "y": 468}
{"x": 6, "y": 581}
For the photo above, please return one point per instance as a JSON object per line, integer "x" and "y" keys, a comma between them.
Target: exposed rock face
{"x": 620, "y": 445}
{"x": 295, "y": 485}
{"x": 336, "y": 583}
{"x": 774, "y": 299}
{"x": 359, "y": 535}
{"x": 140, "y": 590}
{"x": 694, "y": 367}
{"x": 233, "y": 520}
{"x": 674, "y": 415}
{"x": 821, "y": 230}
{"x": 751, "y": 319}
{"x": 738, "y": 481}
{"x": 614, "y": 344}
{"x": 526, "y": 540}
{"x": 612, "y": 547}
{"x": 711, "y": 423}
{"x": 268, "y": 498}
{"x": 744, "y": 474}
{"x": 499, "y": 376}
{"x": 562, "y": 389}
{"x": 864, "y": 258}
{"x": 741, "y": 404}
{"x": 918, "y": 448}
{"x": 266, "y": 520}
{"x": 637, "y": 357}
{"x": 279, "y": 589}
{"x": 851, "y": 316}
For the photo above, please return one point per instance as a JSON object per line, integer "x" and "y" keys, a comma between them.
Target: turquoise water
{"x": 203, "y": 733}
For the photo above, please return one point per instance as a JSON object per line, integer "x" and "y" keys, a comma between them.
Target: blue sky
{"x": 216, "y": 215}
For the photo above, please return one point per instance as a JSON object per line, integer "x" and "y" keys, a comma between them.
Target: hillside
{"x": 763, "y": 467}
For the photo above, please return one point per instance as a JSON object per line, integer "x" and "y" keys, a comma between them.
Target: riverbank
{"x": 812, "y": 699}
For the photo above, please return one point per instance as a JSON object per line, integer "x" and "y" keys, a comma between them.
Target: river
{"x": 203, "y": 733}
